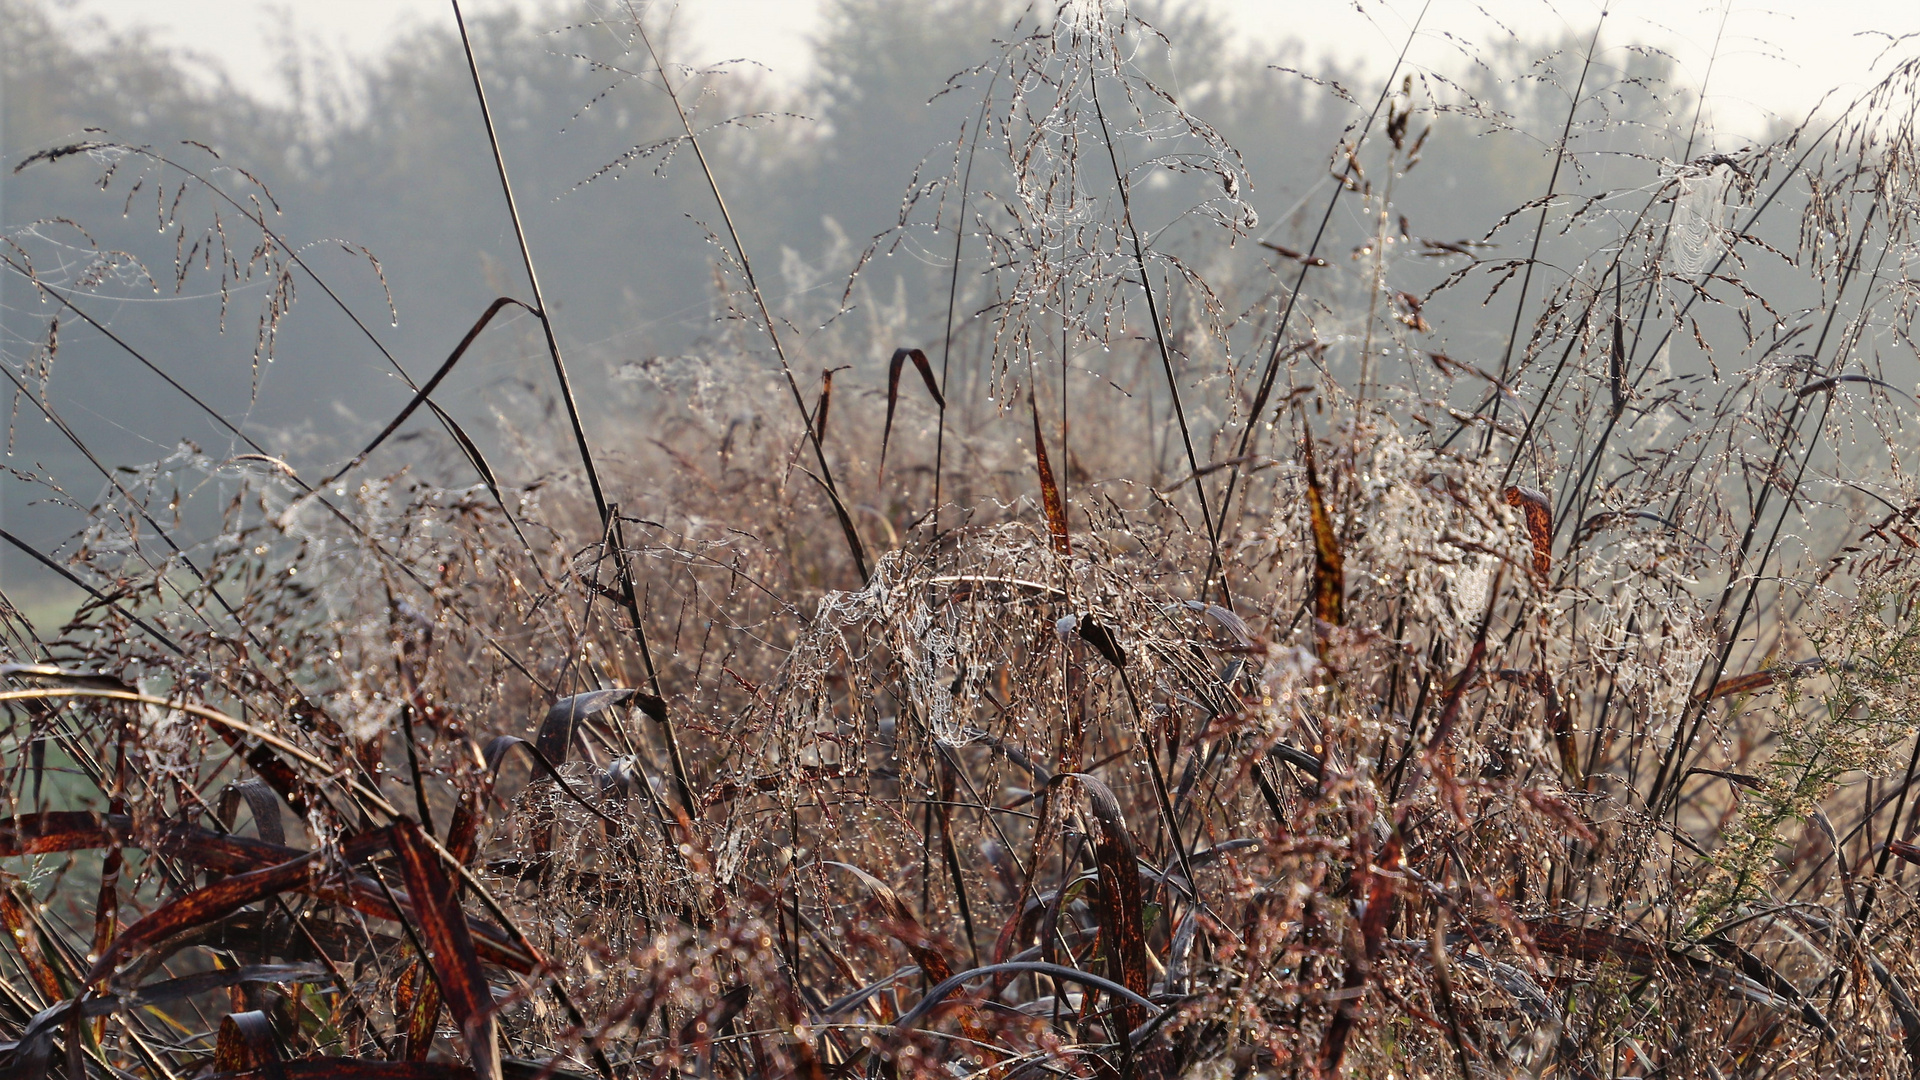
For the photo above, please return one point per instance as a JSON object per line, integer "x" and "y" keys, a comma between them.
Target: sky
{"x": 1775, "y": 58}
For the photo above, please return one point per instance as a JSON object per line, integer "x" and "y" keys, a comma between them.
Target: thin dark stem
{"x": 1271, "y": 370}
{"x": 854, "y": 545}
{"x": 1580, "y": 489}
{"x": 533, "y": 277}
{"x": 1159, "y": 333}
{"x": 99, "y": 597}
{"x": 259, "y": 221}
{"x": 566, "y": 395}
{"x": 1646, "y": 301}
{"x": 1886, "y": 850}
{"x": 953, "y": 294}
{"x": 1677, "y": 750}
{"x": 1540, "y": 230}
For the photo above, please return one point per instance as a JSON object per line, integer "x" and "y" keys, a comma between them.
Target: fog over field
{"x": 375, "y": 150}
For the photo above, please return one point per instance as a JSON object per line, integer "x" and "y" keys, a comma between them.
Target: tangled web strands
{"x": 942, "y": 644}
{"x": 1699, "y": 234}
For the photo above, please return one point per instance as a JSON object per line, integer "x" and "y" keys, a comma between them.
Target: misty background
{"x": 388, "y": 159}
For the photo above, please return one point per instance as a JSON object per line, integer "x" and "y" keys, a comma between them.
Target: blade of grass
{"x": 854, "y": 545}
{"x": 34, "y": 553}
{"x": 900, "y": 356}
{"x": 540, "y": 308}
{"x": 1050, "y": 501}
{"x": 1329, "y": 566}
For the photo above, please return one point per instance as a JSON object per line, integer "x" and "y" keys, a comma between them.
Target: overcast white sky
{"x": 1775, "y": 56}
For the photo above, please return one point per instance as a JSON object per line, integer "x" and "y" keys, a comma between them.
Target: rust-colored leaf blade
{"x": 59, "y": 830}
{"x": 106, "y": 905}
{"x": 1594, "y": 944}
{"x": 1329, "y": 566}
{"x": 420, "y": 1004}
{"x": 1740, "y": 684}
{"x": 1122, "y": 908}
{"x": 238, "y": 855}
{"x": 203, "y": 906}
{"x": 1050, "y": 500}
{"x": 1377, "y": 881}
{"x": 450, "y": 947}
{"x": 247, "y": 1042}
{"x": 820, "y": 409}
{"x": 1539, "y": 514}
{"x": 26, "y": 939}
{"x": 364, "y": 895}
{"x": 406, "y": 988}
{"x": 463, "y": 832}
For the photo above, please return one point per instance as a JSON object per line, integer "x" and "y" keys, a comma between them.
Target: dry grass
{"x": 1571, "y": 734}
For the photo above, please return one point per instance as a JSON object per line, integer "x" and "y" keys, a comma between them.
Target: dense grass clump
{"x": 1171, "y": 663}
